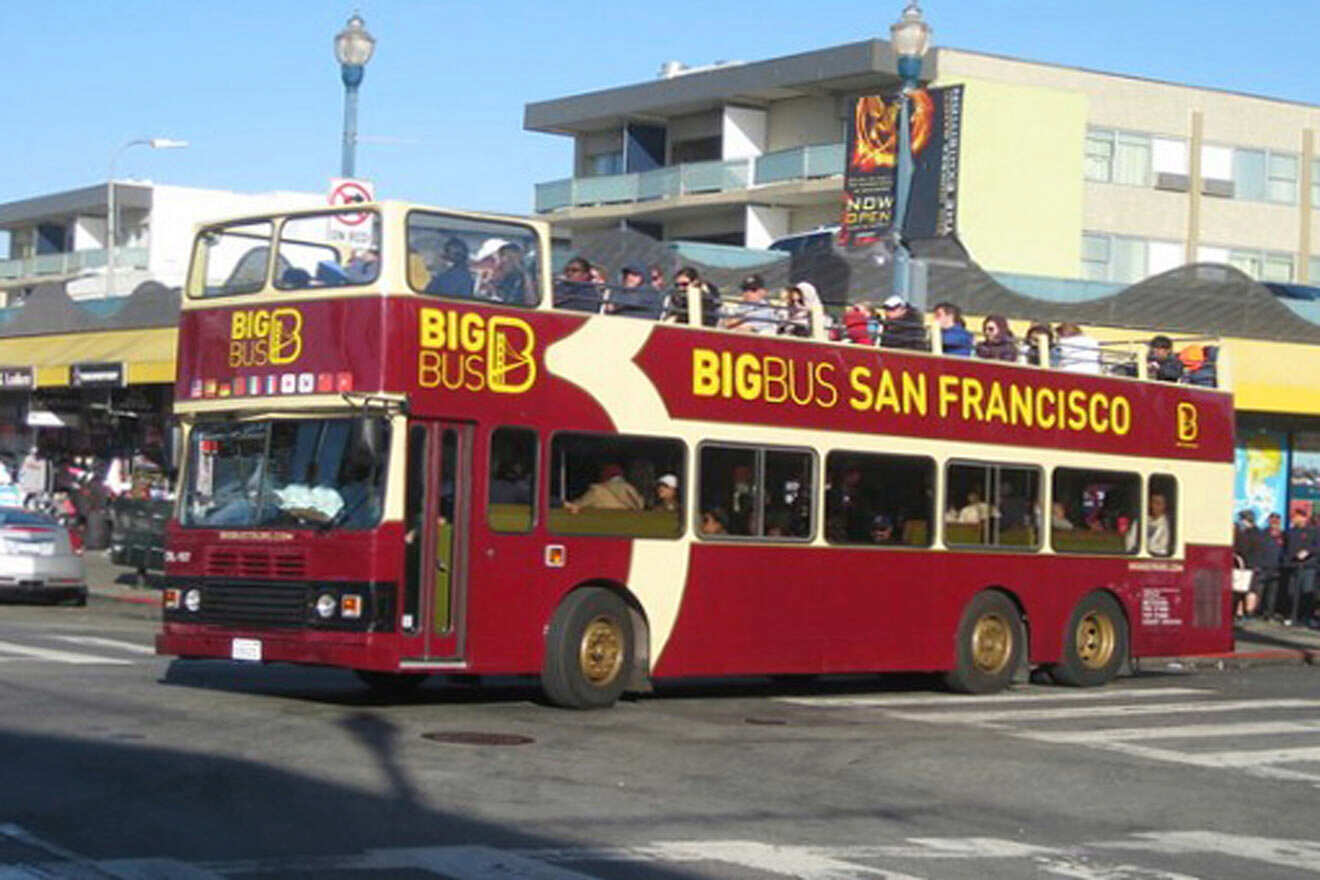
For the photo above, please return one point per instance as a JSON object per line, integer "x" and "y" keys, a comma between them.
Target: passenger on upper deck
{"x": 635, "y": 299}
{"x": 1078, "y": 353}
{"x": 903, "y": 326}
{"x": 798, "y": 301}
{"x": 575, "y": 290}
{"x": 456, "y": 278}
{"x": 504, "y": 277}
{"x": 955, "y": 338}
{"x": 997, "y": 343}
{"x": 754, "y": 314}
{"x": 1038, "y": 336}
{"x": 1161, "y": 362}
{"x": 687, "y": 280}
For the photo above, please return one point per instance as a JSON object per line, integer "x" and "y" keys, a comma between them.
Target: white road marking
{"x": 1033, "y": 696}
{"x": 1303, "y": 855}
{"x": 1183, "y": 731}
{"x": 98, "y": 642}
{"x": 1088, "y": 869}
{"x": 155, "y": 869}
{"x": 975, "y": 718}
{"x": 52, "y": 655}
{"x": 802, "y": 862}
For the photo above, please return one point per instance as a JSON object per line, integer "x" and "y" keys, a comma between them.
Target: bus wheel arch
{"x": 1096, "y": 641}
{"x": 595, "y": 647}
{"x": 989, "y": 644}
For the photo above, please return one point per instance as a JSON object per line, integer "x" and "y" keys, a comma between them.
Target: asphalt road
{"x": 115, "y": 763}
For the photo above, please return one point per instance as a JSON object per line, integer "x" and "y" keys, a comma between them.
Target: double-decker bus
{"x": 403, "y": 459}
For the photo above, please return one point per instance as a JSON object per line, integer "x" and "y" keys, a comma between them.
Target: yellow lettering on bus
{"x": 776, "y": 379}
{"x": 285, "y": 330}
{"x": 948, "y": 394}
{"x": 823, "y": 384}
{"x": 1044, "y": 412}
{"x": 1120, "y": 415}
{"x": 1099, "y": 412}
{"x": 860, "y": 380}
{"x": 886, "y": 394}
{"x": 1019, "y": 405}
{"x": 472, "y": 332}
{"x": 705, "y": 372}
{"x": 431, "y": 327}
{"x": 428, "y": 369}
{"x": 972, "y": 392}
{"x": 747, "y": 376}
{"x": 914, "y": 393}
{"x": 1076, "y": 409}
{"x": 996, "y": 410}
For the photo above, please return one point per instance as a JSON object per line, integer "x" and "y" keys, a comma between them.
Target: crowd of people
{"x": 643, "y": 292}
{"x": 1282, "y": 563}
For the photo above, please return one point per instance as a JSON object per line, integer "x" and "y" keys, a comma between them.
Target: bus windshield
{"x": 309, "y": 473}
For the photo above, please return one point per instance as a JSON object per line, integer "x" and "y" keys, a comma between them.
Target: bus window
{"x": 512, "y": 487}
{"x": 231, "y": 259}
{"x": 328, "y": 250}
{"x": 991, "y": 506}
{"x": 610, "y": 484}
{"x": 879, "y": 499}
{"x": 755, "y": 492}
{"x": 1162, "y": 520}
{"x": 473, "y": 259}
{"x": 1094, "y": 511}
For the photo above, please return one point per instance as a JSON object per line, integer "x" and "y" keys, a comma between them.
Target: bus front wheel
{"x": 588, "y": 650}
{"x": 1095, "y": 643}
{"x": 989, "y": 647}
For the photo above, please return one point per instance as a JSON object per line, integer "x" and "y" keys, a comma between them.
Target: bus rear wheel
{"x": 588, "y": 650}
{"x": 1095, "y": 643}
{"x": 989, "y": 647}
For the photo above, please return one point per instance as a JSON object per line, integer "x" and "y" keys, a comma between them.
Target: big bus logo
{"x": 1188, "y": 429}
{"x": 465, "y": 350}
{"x": 258, "y": 337}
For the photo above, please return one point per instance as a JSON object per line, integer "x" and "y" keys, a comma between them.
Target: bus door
{"x": 438, "y": 501}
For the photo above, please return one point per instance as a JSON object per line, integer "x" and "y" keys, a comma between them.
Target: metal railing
{"x": 799, "y": 163}
{"x": 71, "y": 262}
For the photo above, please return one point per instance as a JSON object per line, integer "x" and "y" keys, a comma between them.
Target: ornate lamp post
{"x": 111, "y": 209}
{"x": 909, "y": 37}
{"x": 353, "y": 48}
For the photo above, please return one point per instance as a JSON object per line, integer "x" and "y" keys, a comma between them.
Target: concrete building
{"x": 1064, "y": 173}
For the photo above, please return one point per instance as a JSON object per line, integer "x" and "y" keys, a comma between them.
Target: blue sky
{"x": 254, "y": 87}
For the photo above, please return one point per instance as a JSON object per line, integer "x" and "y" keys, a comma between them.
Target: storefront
{"x": 1278, "y": 464}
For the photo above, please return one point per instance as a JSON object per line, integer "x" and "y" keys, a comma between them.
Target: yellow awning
{"x": 148, "y": 354}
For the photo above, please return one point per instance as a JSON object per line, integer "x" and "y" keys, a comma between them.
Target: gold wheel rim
{"x": 992, "y": 644}
{"x": 600, "y": 654}
{"x": 1096, "y": 639}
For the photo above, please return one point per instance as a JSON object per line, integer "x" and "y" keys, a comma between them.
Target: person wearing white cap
{"x": 904, "y": 327}
{"x": 666, "y": 493}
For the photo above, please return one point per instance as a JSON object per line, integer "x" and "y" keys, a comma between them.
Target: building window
{"x": 1263, "y": 265}
{"x": 1118, "y": 157}
{"x": 1313, "y": 276}
{"x": 1315, "y": 184}
{"x": 1265, "y": 176}
{"x": 1125, "y": 260}
{"x": 605, "y": 164}
{"x": 755, "y": 492}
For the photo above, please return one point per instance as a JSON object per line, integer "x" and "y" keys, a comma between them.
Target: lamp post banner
{"x": 868, "y": 183}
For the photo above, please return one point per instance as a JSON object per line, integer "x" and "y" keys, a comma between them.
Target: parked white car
{"x": 38, "y": 559}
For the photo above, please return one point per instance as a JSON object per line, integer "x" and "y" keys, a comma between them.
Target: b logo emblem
{"x": 1188, "y": 429}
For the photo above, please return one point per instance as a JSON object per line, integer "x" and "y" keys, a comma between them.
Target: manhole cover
{"x": 761, "y": 719}
{"x": 477, "y": 738}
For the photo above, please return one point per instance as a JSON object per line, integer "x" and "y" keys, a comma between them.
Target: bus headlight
{"x": 192, "y": 600}
{"x": 326, "y": 605}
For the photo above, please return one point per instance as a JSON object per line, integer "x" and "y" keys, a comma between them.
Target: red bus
{"x": 403, "y": 459}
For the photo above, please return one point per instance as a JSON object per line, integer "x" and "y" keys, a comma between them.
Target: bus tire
{"x": 390, "y": 684}
{"x": 1095, "y": 643}
{"x": 990, "y": 643}
{"x": 588, "y": 650}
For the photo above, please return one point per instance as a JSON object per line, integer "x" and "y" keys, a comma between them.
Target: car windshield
{"x": 309, "y": 473}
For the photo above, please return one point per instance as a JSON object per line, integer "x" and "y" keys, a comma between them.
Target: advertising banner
{"x": 1260, "y": 481}
{"x": 935, "y": 125}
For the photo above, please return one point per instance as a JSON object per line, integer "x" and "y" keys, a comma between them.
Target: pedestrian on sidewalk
{"x": 1301, "y": 552}
{"x": 1266, "y": 560}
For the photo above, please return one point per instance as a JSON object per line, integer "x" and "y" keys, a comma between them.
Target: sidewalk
{"x": 1258, "y": 643}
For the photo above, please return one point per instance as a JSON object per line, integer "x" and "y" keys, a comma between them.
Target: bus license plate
{"x": 246, "y": 649}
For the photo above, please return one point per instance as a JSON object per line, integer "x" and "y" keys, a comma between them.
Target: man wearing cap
{"x": 666, "y": 493}
{"x": 904, "y": 327}
{"x": 754, "y": 314}
{"x": 634, "y": 299}
{"x": 882, "y": 529}
{"x": 1161, "y": 362}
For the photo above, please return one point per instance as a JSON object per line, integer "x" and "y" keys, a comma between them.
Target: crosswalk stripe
{"x": 98, "y": 642}
{"x": 1033, "y": 696}
{"x": 59, "y": 656}
{"x": 975, "y": 717}
{"x": 1185, "y": 731}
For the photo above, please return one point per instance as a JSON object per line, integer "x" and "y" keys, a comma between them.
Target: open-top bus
{"x": 403, "y": 459}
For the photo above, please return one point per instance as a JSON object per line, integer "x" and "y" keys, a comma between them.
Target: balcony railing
{"x": 799, "y": 163}
{"x": 71, "y": 263}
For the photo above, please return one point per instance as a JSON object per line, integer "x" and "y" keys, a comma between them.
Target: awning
{"x": 147, "y": 354}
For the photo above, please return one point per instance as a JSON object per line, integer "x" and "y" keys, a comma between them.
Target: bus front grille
{"x": 254, "y": 562}
{"x": 265, "y": 604}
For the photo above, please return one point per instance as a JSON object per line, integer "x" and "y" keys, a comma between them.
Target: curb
{"x": 1238, "y": 660}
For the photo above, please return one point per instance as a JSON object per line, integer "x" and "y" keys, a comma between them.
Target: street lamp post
{"x": 353, "y": 48}
{"x": 111, "y": 209}
{"x": 909, "y": 37}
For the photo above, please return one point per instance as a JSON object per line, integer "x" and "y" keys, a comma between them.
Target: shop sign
{"x": 16, "y": 378}
{"x": 98, "y": 375}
